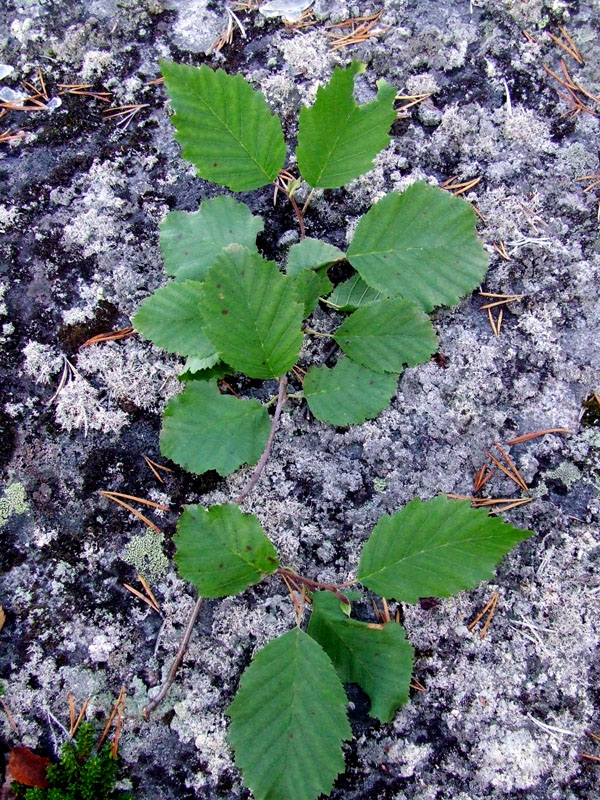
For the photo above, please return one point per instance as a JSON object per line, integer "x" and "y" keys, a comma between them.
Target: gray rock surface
{"x": 501, "y": 718}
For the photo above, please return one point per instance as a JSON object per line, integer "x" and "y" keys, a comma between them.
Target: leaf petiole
{"x": 307, "y": 201}
{"x": 281, "y": 398}
{"x": 316, "y": 333}
{"x": 334, "y": 588}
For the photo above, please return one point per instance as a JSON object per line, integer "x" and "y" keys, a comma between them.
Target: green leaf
{"x": 348, "y": 394}
{"x": 252, "y": 315}
{"x": 204, "y": 430}
{"x": 434, "y": 549}
{"x": 311, "y": 254}
{"x": 193, "y": 371}
{"x": 198, "y": 363}
{"x": 338, "y": 140}
{"x": 420, "y": 244}
{"x": 309, "y": 286}
{"x": 224, "y": 127}
{"x": 376, "y": 657}
{"x": 171, "y": 318}
{"x": 387, "y": 334}
{"x": 222, "y": 551}
{"x": 191, "y": 241}
{"x": 352, "y": 294}
{"x": 288, "y": 721}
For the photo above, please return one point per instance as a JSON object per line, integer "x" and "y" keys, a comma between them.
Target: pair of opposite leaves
{"x": 419, "y": 245}
{"x": 226, "y": 130}
{"x": 227, "y": 303}
{"x": 287, "y": 730}
{"x": 288, "y": 719}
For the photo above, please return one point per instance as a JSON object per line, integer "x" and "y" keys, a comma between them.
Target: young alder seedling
{"x": 228, "y": 311}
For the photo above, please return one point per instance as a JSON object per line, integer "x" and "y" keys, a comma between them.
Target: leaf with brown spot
{"x": 221, "y": 550}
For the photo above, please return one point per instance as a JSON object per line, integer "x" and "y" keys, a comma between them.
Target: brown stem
{"x": 287, "y": 574}
{"x": 178, "y": 659}
{"x": 299, "y": 215}
{"x": 307, "y": 202}
{"x": 281, "y": 398}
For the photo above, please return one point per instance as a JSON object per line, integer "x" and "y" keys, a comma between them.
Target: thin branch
{"x": 299, "y": 214}
{"x": 281, "y": 398}
{"x": 178, "y": 659}
{"x": 307, "y": 202}
{"x": 527, "y": 436}
{"x": 287, "y": 574}
{"x": 317, "y": 333}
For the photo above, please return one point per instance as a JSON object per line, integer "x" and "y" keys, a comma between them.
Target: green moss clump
{"x": 591, "y": 418}
{"x": 79, "y": 775}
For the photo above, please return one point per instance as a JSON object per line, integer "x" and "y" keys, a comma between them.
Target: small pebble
{"x": 54, "y": 103}
{"x": 290, "y": 10}
{"x": 8, "y": 95}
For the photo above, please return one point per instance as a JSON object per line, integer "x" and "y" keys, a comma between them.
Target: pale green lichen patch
{"x": 145, "y": 553}
{"x": 12, "y": 502}
{"x": 380, "y": 485}
{"x": 566, "y": 472}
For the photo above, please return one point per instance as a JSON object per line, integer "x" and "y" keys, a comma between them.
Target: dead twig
{"x": 111, "y": 336}
{"x": 224, "y": 383}
{"x": 226, "y": 37}
{"x": 113, "y": 714}
{"x": 502, "y": 300}
{"x": 529, "y": 37}
{"x": 503, "y": 503}
{"x": 459, "y": 188}
{"x": 10, "y": 718}
{"x": 513, "y": 467}
{"x": 177, "y": 661}
{"x": 11, "y": 136}
{"x": 573, "y": 90}
{"x": 245, "y": 5}
{"x": 75, "y": 722}
{"x": 409, "y": 100}
{"x": 151, "y": 503}
{"x": 589, "y": 756}
{"x": 83, "y": 90}
{"x": 148, "y": 597}
{"x": 481, "y": 477}
{"x": 594, "y": 183}
{"x": 124, "y": 114}
{"x": 306, "y": 20}
{"x": 501, "y": 249}
{"x": 568, "y": 45}
{"x": 490, "y": 610}
{"x": 528, "y": 436}
{"x": 154, "y": 467}
{"x": 115, "y": 744}
{"x": 514, "y": 476}
{"x": 115, "y": 497}
{"x": 362, "y": 29}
